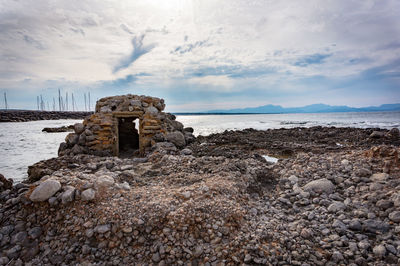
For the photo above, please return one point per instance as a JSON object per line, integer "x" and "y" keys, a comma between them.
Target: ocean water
{"x": 23, "y": 144}
{"x": 208, "y": 124}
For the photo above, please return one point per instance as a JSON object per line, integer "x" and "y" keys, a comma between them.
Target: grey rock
{"x": 88, "y": 132}
{"x": 6, "y": 230}
{"x": 104, "y": 181}
{"x": 53, "y": 201}
{"x": 364, "y": 244}
{"x": 379, "y": 250}
{"x": 395, "y": 216}
{"x": 68, "y": 196}
{"x": 336, "y": 206}
{"x": 247, "y": 258}
{"x": 375, "y": 226}
{"x": 151, "y": 110}
{"x": 89, "y": 233}
{"x": 88, "y": 194}
{"x": 77, "y": 149}
{"x": 377, "y": 134}
{"x": 45, "y": 190}
{"x": 35, "y": 232}
{"x": 322, "y": 185}
{"x": 71, "y": 139}
{"x": 105, "y": 109}
{"x": 136, "y": 103}
{"x": 156, "y": 257}
{"x": 355, "y": 225}
{"x": 337, "y": 256}
{"x": 79, "y": 128}
{"x": 176, "y": 138}
{"x": 384, "y": 204}
{"x": 18, "y": 238}
{"x": 4, "y": 261}
{"x": 379, "y": 177}
{"x": 293, "y": 179}
{"x": 101, "y": 229}
{"x": 187, "y": 151}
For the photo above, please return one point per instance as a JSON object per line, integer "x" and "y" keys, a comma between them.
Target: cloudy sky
{"x": 201, "y": 55}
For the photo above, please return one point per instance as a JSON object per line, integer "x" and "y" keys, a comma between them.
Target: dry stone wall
{"x": 98, "y": 134}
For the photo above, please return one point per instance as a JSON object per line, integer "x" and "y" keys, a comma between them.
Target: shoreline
{"x": 217, "y": 201}
{"x": 30, "y": 115}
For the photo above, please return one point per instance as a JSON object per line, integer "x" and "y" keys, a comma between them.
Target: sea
{"x": 23, "y": 143}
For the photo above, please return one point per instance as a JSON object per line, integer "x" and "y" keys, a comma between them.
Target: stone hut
{"x": 127, "y": 125}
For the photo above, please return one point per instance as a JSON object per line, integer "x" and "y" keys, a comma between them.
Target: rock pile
{"x": 337, "y": 207}
{"x": 98, "y": 135}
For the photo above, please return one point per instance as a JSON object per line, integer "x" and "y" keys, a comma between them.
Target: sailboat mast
{"x": 5, "y": 101}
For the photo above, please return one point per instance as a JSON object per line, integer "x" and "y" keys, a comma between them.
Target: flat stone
{"x": 45, "y": 190}
{"x": 322, "y": 185}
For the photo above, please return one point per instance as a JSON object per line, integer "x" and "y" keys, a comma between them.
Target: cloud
{"x": 35, "y": 43}
{"x": 187, "y": 48}
{"x": 312, "y": 59}
{"x": 139, "y": 49}
{"x": 125, "y": 28}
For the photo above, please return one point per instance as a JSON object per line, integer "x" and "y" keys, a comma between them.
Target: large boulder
{"x": 45, "y": 190}
{"x": 176, "y": 138}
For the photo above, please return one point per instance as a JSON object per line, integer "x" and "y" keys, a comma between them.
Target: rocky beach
{"x": 331, "y": 198}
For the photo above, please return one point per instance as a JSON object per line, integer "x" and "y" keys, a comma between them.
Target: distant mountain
{"x": 313, "y": 108}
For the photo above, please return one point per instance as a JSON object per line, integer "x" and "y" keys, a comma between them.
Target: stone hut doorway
{"x": 128, "y": 136}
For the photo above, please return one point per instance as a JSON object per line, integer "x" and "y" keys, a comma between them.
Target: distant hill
{"x": 313, "y": 108}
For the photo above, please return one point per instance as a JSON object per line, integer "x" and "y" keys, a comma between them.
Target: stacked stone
{"x": 98, "y": 134}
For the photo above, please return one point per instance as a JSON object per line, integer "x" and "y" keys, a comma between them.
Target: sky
{"x": 201, "y": 54}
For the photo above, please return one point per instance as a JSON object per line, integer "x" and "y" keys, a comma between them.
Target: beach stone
{"x": 379, "y": 250}
{"x": 379, "y": 177}
{"x": 19, "y": 237}
{"x": 293, "y": 179}
{"x": 88, "y": 194}
{"x": 79, "y": 128}
{"x": 35, "y": 232}
{"x": 176, "y": 138}
{"x": 101, "y": 229}
{"x": 395, "y": 216}
{"x": 321, "y": 185}
{"x": 68, "y": 196}
{"x": 104, "y": 181}
{"x": 45, "y": 190}
{"x": 377, "y": 134}
{"x": 336, "y": 206}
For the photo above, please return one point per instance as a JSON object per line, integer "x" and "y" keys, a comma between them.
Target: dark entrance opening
{"x": 128, "y": 136}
